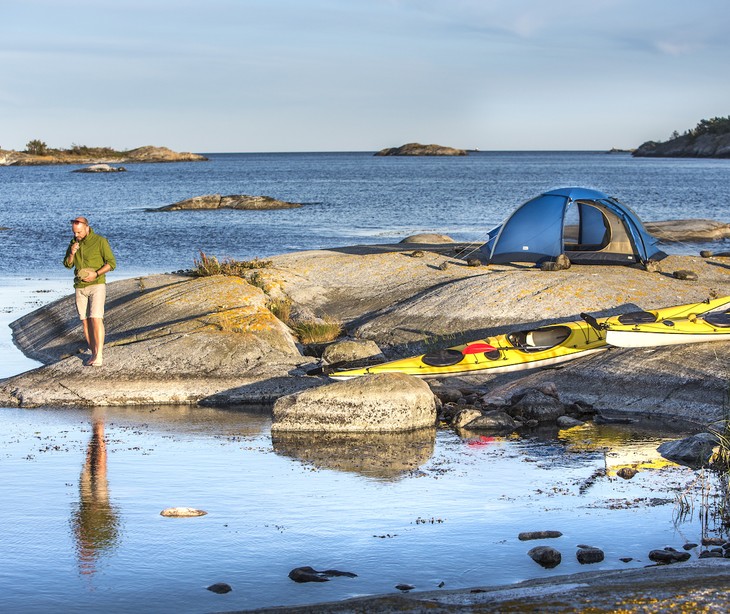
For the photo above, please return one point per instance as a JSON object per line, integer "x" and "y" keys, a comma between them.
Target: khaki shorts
{"x": 90, "y": 301}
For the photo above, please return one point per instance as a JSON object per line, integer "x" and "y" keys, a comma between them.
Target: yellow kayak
{"x": 526, "y": 349}
{"x": 691, "y": 324}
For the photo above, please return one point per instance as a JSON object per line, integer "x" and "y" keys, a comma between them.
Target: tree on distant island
{"x": 715, "y": 125}
{"x": 36, "y": 147}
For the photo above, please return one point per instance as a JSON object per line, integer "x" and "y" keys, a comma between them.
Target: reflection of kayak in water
{"x": 526, "y": 349}
{"x": 620, "y": 447}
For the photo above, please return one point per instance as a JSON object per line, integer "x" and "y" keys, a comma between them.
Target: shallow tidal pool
{"x": 83, "y": 490}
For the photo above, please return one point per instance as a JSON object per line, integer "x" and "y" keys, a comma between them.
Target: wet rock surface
{"x": 309, "y": 574}
{"x": 220, "y": 588}
{"x": 685, "y": 587}
{"x": 546, "y": 556}
{"x": 669, "y": 555}
{"x": 530, "y": 535}
{"x": 693, "y": 451}
{"x": 587, "y": 555}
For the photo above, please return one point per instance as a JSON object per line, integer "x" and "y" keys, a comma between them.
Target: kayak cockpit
{"x": 539, "y": 339}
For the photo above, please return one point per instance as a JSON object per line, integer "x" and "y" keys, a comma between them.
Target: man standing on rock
{"x": 91, "y": 257}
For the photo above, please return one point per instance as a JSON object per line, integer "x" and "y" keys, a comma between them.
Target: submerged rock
{"x": 182, "y": 512}
{"x": 220, "y": 588}
{"x": 529, "y": 535}
{"x": 546, "y": 556}
{"x": 309, "y": 574}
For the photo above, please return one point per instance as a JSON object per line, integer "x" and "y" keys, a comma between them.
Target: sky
{"x": 359, "y": 75}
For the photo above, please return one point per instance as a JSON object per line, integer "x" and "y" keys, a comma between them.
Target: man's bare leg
{"x": 89, "y": 338}
{"x": 97, "y": 334}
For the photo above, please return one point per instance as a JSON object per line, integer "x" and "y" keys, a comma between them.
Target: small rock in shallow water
{"x": 309, "y": 574}
{"x": 546, "y": 556}
{"x": 712, "y": 541}
{"x": 405, "y": 587}
{"x": 220, "y": 588}
{"x": 626, "y": 473}
{"x": 527, "y": 535}
{"x": 182, "y": 512}
{"x": 668, "y": 555}
{"x": 715, "y": 553}
{"x": 566, "y": 422}
{"x": 589, "y": 555}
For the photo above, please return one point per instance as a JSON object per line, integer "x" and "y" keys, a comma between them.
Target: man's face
{"x": 80, "y": 230}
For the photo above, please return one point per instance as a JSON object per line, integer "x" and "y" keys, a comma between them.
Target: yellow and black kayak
{"x": 533, "y": 348}
{"x": 696, "y": 323}
{"x": 525, "y": 349}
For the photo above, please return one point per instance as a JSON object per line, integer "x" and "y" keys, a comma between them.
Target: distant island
{"x": 234, "y": 201}
{"x": 709, "y": 139}
{"x": 38, "y": 153}
{"x": 416, "y": 149}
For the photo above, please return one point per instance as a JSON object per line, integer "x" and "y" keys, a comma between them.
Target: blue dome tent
{"x": 587, "y": 226}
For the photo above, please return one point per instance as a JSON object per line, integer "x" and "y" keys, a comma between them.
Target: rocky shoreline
{"x": 687, "y": 146}
{"x": 174, "y": 338}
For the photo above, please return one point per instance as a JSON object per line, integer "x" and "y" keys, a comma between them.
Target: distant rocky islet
{"x": 417, "y": 149}
{"x": 234, "y": 201}
{"x": 148, "y": 153}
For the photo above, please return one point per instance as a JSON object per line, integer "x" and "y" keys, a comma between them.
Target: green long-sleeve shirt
{"x": 93, "y": 253}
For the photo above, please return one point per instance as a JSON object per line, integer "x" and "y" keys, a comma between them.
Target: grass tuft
{"x": 281, "y": 308}
{"x": 210, "y": 265}
{"x": 318, "y": 331}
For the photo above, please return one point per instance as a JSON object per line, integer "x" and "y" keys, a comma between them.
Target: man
{"x": 91, "y": 256}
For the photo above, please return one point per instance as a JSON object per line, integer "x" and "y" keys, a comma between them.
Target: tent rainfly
{"x": 586, "y": 225}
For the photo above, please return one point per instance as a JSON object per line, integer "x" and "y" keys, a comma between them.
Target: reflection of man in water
{"x": 95, "y": 523}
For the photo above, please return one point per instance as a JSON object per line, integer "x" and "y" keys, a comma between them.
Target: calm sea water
{"x": 350, "y": 198}
{"x": 81, "y": 529}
